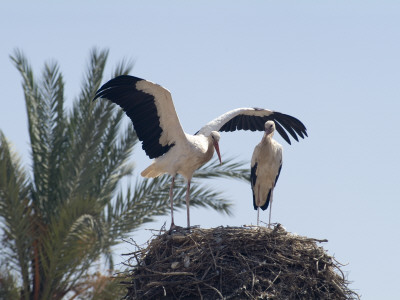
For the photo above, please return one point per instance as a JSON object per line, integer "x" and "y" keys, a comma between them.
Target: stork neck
{"x": 267, "y": 138}
{"x": 210, "y": 149}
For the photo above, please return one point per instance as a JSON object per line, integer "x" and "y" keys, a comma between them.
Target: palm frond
{"x": 14, "y": 211}
{"x": 229, "y": 169}
{"x": 8, "y": 282}
{"x": 150, "y": 198}
{"x": 53, "y": 95}
{"x": 123, "y": 67}
{"x": 31, "y": 93}
{"x": 99, "y": 152}
{"x": 115, "y": 162}
{"x": 75, "y": 239}
{"x": 36, "y": 110}
{"x": 44, "y": 102}
{"x": 49, "y": 166}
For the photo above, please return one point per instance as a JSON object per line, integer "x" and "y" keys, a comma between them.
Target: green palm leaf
{"x": 14, "y": 211}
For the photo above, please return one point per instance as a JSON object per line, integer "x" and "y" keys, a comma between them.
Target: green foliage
{"x": 8, "y": 283}
{"x": 71, "y": 210}
{"x": 100, "y": 287}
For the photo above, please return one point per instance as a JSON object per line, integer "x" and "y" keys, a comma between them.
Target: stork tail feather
{"x": 151, "y": 172}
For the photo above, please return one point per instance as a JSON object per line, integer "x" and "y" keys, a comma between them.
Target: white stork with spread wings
{"x": 152, "y": 112}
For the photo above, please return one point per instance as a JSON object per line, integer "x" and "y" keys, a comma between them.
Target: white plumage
{"x": 266, "y": 164}
{"x": 152, "y": 112}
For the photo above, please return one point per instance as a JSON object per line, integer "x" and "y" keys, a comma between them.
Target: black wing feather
{"x": 284, "y": 123}
{"x": 282, "y": 132}
{"x": 266, "y": 204}
{"x": 140, "y": 108}
{"x": 277, "y": 176}
{"x": 253, "y": 179}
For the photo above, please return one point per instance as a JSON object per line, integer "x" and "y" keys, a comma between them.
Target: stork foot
{"x": 176, "y": 228}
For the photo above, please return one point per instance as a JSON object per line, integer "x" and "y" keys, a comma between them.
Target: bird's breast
{"x": 198, "y": 151}
{"x": 186, "y": 157}
{"x": 268, "y": 156}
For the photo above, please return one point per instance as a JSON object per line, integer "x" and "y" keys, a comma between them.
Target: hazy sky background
{"x": 335, "y": 65}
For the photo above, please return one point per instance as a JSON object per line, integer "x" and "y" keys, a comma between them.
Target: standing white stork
{"x": 266, "y": 165}
{"x": 152, "y": 112}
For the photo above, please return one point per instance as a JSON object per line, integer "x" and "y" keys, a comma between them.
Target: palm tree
{"x": 70, "y": 209}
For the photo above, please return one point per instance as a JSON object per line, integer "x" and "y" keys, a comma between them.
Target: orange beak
{"x": 216, "y": 146}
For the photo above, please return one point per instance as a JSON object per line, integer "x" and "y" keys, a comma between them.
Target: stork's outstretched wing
{"x": 151, "y": 110}
{"x": 254, "y": 119}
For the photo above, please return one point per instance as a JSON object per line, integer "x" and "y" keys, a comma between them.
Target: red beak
{"x": 216, "y": 146}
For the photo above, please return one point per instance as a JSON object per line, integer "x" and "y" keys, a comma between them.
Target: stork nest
{"x": 234, "y": 263}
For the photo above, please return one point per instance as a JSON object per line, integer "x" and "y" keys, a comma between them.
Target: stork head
{"x": 269, "y": 128}
{"x": 215, "y": 136}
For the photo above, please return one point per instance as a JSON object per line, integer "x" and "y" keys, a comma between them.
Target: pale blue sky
{"x": 335, "y": 65}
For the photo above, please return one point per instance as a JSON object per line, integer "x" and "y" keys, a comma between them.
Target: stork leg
{"x": 270, "y": 209}
{"x": 187, "y": 203}
{"x": 258, "y": 205}
{"x": 171, "y": 197}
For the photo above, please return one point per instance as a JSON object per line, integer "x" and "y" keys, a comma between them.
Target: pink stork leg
{"x": 187, "y": 203}
{"x": 270, "y": 209}
{"x": 258, "y": 205}
{"x": 171, "y": 197}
